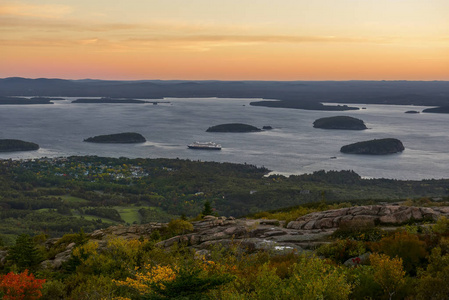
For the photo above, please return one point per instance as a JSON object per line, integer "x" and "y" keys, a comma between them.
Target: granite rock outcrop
{"x": 375, "y": 214}
{"x": 304, "y": 234}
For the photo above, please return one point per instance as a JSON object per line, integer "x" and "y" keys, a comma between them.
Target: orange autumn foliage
{"x": 22, "y": 286}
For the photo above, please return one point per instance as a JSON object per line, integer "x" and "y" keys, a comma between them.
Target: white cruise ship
{"x": 205, "y": 146}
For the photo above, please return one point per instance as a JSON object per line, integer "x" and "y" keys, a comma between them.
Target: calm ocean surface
{"x": 292, "y": 147}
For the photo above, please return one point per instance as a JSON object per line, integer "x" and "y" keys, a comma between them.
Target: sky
{"x": 225, "y": 40}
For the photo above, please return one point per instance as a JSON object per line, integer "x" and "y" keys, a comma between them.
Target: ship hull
{"x": 203, "y": 148}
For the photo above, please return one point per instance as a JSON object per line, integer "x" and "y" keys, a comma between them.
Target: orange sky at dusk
{"x": 227, "y": 40}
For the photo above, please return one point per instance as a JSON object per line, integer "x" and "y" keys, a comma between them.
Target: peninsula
{"x": 119, "y": 138}
{"x": 340, "y": 122}
{"x": 110, "y": 100}
{"x": 11, "y": 145}
{"x": 374, "y": 147}
{"x": 233, "y": 127}
{"x": 437, "y": 110}
{"x": 23, "y": 101}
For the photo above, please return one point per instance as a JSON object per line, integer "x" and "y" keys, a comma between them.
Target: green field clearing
{"x": 130, "y": 214}
{"x": 91, "y": 217}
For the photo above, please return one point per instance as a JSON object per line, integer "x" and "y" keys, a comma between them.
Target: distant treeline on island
{"x": 284, "y": 94}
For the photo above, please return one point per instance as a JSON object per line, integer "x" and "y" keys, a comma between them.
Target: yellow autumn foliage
{"x": 148, "y": 276}
{"x": 388, "y": 272}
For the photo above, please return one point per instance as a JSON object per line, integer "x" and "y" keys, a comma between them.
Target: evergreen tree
{"x": 207, "y": 209}
{"x": 24, "y": 253}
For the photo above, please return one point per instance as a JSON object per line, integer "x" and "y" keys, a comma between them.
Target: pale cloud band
{"x": 33, "y": 10}
{"x": 265, "y": 40}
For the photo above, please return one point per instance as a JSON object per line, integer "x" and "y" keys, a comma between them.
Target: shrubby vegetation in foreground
{"x": 409, "y": 263}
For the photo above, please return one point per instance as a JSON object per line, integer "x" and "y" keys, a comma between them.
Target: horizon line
{"x": 230, "y": 80}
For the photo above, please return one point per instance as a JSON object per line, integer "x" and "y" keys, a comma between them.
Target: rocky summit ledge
{"x": 375, "y": 214}
{"x": 304, "y": 234}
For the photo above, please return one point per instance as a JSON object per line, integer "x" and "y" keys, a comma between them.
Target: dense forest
{"x": 63, "y": 195}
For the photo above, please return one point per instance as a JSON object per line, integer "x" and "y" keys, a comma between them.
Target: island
{"x": 374, "y": 147}
{"x": 267, "y": 127}
{"x": 46, "y": 98}
{"x": 412, "y": 112}
{"x": 23, "y": 101}
{"x": 11, "y": 145}
{"x": 298, "y": 104}
{"x": 437, "y": 110}
{"x": 233, "y": 127}
{"x": 119, "y": 138}
{"x": 110, "y": 100}
{"x": 340, "y": 122}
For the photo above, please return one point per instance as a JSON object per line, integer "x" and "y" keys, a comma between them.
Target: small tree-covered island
{"x": 374, "y": 147}
{"x": 233, "y": 127}
{"x": 10, "y": 145}
{"x": 119, "y": 138}
{"x": 340, "y": 122}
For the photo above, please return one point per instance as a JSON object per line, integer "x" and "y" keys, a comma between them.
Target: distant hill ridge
{"x": 292, "y": 94}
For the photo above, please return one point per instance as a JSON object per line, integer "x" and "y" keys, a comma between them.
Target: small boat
{"x": 205, "y": 146}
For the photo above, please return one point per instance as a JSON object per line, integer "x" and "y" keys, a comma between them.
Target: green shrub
{"x": 342, "y": 250}
{"x": 406, "y": 246}
{"x": 388, "y": 273}
{"x": 441, "y": 226}
{"x": 359, "y": 230}
{"x": 155, "y": 235}
{"x": 53, "y": 290}
{"x": 313, "y": 278}
{"x": 178, "y": 226}
{"x": 62, "y": 243}
{"x": 433, "y": 281}
{"x": 362, "y": 278}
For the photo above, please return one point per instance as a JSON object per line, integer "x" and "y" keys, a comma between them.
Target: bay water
{"x": 293, "y": 146}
